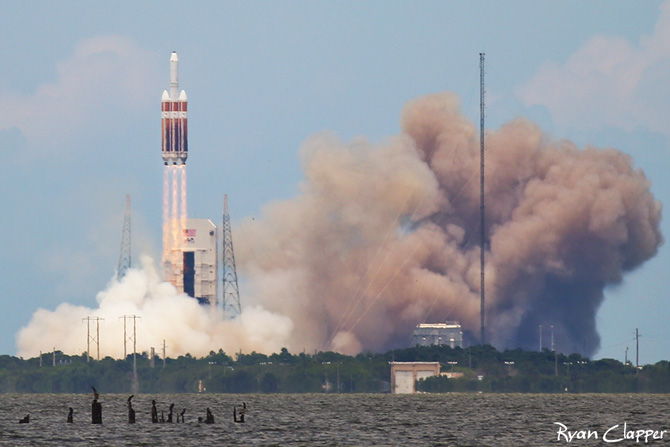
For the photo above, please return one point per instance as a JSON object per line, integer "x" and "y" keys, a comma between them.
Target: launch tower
{"x": 190, "y": 255}
{"x": 199, "y": 256}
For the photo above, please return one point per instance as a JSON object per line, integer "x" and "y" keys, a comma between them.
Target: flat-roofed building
{"x": 405, "y": 374}
{"x": 449, "y": 333}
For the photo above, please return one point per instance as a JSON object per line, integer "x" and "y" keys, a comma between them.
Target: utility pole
{"x": 90, "y": 338}
{"x": 540, "y": 338}
{"x": 125, "y": 337}
{"x": 134, "y": 338}
{"x": 338, "y": 377}
{"x": 637, "y": 349}
{"x": 553, "y": 348}
{"x": 164, "y": 353}
{"x": 626, "y": 358}
{"x": 54, "y": 357}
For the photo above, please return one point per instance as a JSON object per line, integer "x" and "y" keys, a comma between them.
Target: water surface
{"x": 338, "y": 420}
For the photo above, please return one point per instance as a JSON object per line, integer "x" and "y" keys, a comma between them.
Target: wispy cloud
{"x": 97, "y": 88}
{"x": 609, "y": 82}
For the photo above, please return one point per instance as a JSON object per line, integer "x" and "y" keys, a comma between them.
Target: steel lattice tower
{"x": 124, "y": 257}
{"x": 231, "y": 292}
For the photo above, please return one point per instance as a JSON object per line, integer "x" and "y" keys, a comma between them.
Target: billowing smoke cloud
{"x": 383, "y": 237}
{"x": 164, "y": 314}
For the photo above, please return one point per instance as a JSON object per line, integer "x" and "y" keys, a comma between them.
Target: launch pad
{"x": 190, "y": 257}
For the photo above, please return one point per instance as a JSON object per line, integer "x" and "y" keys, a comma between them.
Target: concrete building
{"x": 200, "y": 255}
{"x": 449, "y": 333}
{"x": 405, "y": 374}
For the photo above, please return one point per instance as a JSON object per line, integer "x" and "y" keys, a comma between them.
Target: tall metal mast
{"x": 481, "y": 191}
{"x": 124, "y": 257}
{"x": 231, "y": 292}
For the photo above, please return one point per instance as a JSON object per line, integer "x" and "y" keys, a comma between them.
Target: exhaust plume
{"x": 383, "y": 237}
{"x": 186, "y": 326}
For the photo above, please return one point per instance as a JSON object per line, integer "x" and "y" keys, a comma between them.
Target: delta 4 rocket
{"x": 174, "y": 121}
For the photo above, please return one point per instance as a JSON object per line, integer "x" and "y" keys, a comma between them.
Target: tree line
{"x": 480, "y": 368}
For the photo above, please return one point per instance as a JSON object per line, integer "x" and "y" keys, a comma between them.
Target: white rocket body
{"x": 174, "y": 123}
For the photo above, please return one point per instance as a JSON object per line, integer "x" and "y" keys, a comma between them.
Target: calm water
{"x": 338, "y": 420}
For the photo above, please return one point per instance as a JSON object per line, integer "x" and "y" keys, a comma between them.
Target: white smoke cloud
{"x": 609, "y": 82}
{"x": 186, "y": 326}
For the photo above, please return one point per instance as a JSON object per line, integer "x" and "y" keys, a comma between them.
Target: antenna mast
{"x": 124, "y": 257}
{"x": 481, "y": 192}
{"x": 231, "y": 291}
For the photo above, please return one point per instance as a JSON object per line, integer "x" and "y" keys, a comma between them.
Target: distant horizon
{"x": 146, "y": 354}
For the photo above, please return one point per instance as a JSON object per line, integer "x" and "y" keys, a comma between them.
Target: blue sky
{"x": 80, "y": 88}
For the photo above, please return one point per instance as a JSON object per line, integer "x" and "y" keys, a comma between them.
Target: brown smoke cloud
{"x": 383, "y": 237}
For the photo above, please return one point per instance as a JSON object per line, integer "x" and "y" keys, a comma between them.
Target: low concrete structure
{"x": 405, "y": 374}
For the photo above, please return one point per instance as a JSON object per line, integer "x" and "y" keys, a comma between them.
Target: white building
{"x": 449, "y": 333}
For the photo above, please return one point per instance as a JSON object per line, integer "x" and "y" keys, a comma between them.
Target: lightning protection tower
{"x": 124, "y": 257}
{"x": 482, "y": 109}
{"x": 231, "y": 291}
